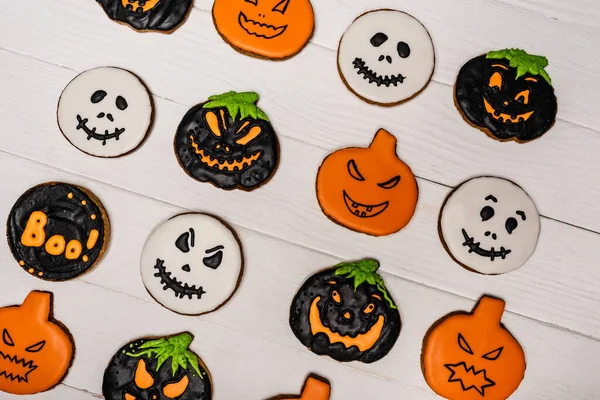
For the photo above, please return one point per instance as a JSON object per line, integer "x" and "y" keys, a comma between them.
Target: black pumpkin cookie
{"x": 507, "y": 94}
{"x": 229, "y": 142}
{"x": 148, "y": 15}
{"x": 346, "y": 313}
{"x": 57, "y": 231}
{"x": 157, "y": 369}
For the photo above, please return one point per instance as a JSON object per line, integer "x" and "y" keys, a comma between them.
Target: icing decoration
{"x": 192, "y": 264}
{"x": 507, "y": 94}
{"x": 105, "y": 112}
{"x": 369, "y": 190}
{"x": 148, "y": 15}
{"x": 472, "y": 356}
{"x": 36, "y": 351}
{"x": 228, "y": 141}
{"x": 274, "y": 29}
{"x": 49, "y": 226}
{"x": 386, "y": 57}
{"x": 346, "y": 313}
{"x": 157, "y": 369}
{"x": 489, "y": 225}
{"x": 315, "y": 388}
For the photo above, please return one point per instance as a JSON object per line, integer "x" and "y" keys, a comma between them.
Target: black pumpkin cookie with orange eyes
{"x": 507, "y": 94}
{"x": 148, "y": 15}
{"x": 57, "y": 231}
{"x": 229, "y": 142}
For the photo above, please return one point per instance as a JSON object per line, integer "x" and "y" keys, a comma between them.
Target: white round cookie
{"x": 105, "y": 112}
{"x": 489, "y": 225}
{"x": 386, "y": 57}
{"x": 192, "y": 264}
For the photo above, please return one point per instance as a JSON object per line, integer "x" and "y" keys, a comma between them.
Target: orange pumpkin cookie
{"x": 36, "y": 351}
{"x": 472, "y": 356}
{"x": 368, "y": 190}
{"x": 273, "y": 29}
{"x": 315, "y": 388}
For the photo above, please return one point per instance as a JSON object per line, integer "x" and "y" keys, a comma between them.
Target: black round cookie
{"x": 157, "y": 369}
{"x": 57, "y": 231}
{"x": 229, "y": 142}
{"x": 346, "y": 313}
{"x": 148, "y": 15}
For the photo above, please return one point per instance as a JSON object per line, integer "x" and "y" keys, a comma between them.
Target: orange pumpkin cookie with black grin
{"x": 36, "y": 351}
{"x": 57, "y": 231}
{"x": 368, "y": 190}
{"x": 315, "y": 388}
{"x": 273, "y": 29}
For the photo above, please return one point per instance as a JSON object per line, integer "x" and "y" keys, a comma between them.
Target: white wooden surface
{"x": 553, "y": 303}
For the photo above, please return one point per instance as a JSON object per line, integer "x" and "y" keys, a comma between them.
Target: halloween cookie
{"x": 157, "y": 369}
{"x": 386, "y": 57}
{"x": 489, "y": 225}
{"x": 346, "y": 313}
{"x": 315, "y": 388}
{"x": 36, "y": 351}
{"x": 472, "y": 356}
{"x": 57, "y": 231}
{"x": 368, "y": 190}
{"x": 148, "y": 15}
{"x": 105, "y": 112}
{"x": 229, "y": 142}
{"x": 273, "y": 29}
{"x": 192, "y": 264}
{"x": 507, "y": 94}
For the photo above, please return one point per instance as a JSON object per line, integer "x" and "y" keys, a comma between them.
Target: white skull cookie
{"x": 105, "y": 112}
{"x": 489, "y": 225}
{"x": 386, "y": 57}
{"x": 192, "y": 264}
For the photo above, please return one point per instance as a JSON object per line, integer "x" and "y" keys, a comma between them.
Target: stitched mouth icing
{"x": 225, "y": 165}
{"x": 474, "y": 248}
{"x": 364, "y": 210}
{"x": 91, "y": 133}
{"x": 374, "y": 77}
{"x": 477, "y": 379}
{"x": 258, "y": 29}
{"x": 170, "y": 282}
{"x": 10, "y": 363}
{"x": 503, "y": 117}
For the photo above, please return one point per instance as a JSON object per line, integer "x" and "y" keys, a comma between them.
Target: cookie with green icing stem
{"x": 507, "y": 94}
{"x": 228, "y": 141}
{"x": 346, "y": 312}
{"x": 157, "y": 369}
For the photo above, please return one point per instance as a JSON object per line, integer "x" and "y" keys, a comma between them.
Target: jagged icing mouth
{"x": 169, "y": 282}
{"x": 364, "y": 210}
{"x": 258, "y": 29}
{"x": 141, "y": 6}
{"x": 91, "y": 133}
{"x": 14, "y": 368}
{"x": 363, "y": 341}
{"x": 469, "y": 378}
{"x": 503, "y": 117}
{"x": 373, "y": 77}
{"x": 491, "y": 253}
{"x": 225, "y": 165}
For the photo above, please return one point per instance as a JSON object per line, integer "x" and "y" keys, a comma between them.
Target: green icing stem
{"x": 365, "y": 271}
{"x": 243, "y": 104}
{"x": 524, "y": 63}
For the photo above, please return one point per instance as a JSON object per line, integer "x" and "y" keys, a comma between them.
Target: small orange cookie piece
{"x": 368, "y": 190}
{"x": 274, "y": 29}
{"x": 473, "y": 356}
{"x": 35, "y": 350}
{"x": 315, "y": 388}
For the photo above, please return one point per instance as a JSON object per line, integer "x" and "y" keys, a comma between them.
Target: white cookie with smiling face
{"x": 489, "y": 225}
{"x": 192, "y": 264}
{"x": 386, "y": 57}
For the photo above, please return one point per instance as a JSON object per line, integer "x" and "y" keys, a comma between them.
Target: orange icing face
{"x": 315, "y": 388}
{"x": 369, "y": 190}
{"x": 275, "y": 29}
{"x": 473, "y": 356}
{"x": 35, "y": 350}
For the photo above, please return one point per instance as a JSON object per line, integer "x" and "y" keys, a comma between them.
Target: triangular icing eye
{"x": 173, "y": 390}
{"x": 255, "y": 2}
{"x": 494, "y": 354}
{"x": 282, "y": 6}
{"x": 462, "y": 342}
{"x": 496, "y": 80}
{"x": 7, "y": 339}
{"x": 250, "y": 136}
{"x": 391, "y": 183}
{"x": 143, "y": 379}
{"x": 213, "y": 123}
{"x": 36, "y": 347}
{"x": 354, "y": 172}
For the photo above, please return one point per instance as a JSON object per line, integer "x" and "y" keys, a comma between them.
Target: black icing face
{"x": 490, "y": 97}
{"x": 230, "y": 153}
{"x": 56, "y": 231}
{"x": 160, "y": 15}
{"x": 108, "y": 108}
